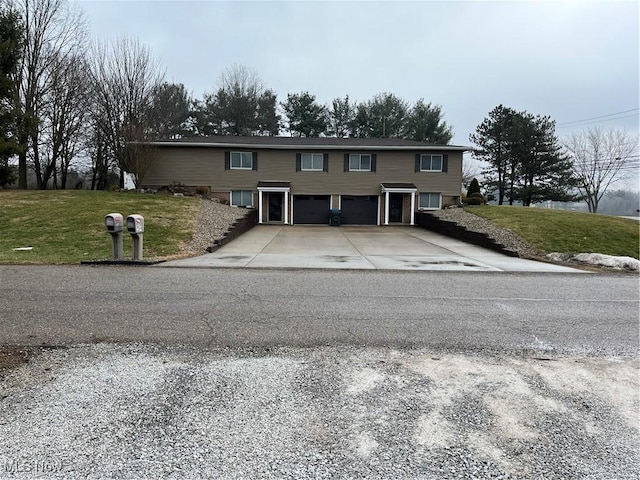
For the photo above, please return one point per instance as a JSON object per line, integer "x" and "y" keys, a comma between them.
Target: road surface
{"x": 563, "y": 313}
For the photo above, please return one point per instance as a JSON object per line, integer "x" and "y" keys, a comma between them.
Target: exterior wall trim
{"x": 285, "y": 190}
{"x": 410, "y": 191}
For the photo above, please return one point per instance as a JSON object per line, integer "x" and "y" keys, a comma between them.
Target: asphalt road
{"x": 507, "y": 376}
{"x": 560, "y": 313}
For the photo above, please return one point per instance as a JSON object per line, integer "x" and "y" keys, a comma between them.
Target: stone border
{"x": 431, "y": 222}
{"x": 236, "y": 229}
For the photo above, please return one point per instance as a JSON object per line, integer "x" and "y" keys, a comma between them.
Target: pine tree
{"x": 305, "y": 117}
{"x": 10, "y": 50}
{"x": 474, "y": 187}
{"x": 525, "y": 157}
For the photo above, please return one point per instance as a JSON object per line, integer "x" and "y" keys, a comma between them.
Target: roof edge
{"x": 306, "y": 147}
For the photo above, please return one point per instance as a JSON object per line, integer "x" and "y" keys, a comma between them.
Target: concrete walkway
{"x": 362, "y": 248}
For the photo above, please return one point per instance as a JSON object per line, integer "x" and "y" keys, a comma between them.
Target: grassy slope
{"x": 67, "y": 226}
{"x": 567, "y": 232}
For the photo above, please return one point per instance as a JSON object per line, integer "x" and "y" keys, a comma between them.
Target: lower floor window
{"x": 429, "y": 200}
{"x": 242, "y": 198}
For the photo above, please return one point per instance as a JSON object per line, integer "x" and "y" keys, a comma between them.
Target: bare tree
{"x": 469, "y": 172}
{"x": 600, "y": 159}
{"x": 65, "y": 118}
{"x": 124, "y": 76}
{"x": 54, "y": 30}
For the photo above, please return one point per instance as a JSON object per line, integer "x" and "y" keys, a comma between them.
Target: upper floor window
{"x": 359, "y": 162}
{"x": 312, "y": 162}
{"x": 430, "y": 163}
{"x": 242, "y": 160}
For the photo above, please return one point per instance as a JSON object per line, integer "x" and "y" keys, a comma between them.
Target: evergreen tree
{"x": 10, "y": 50}
{"x": 240, "y": 106}
{"x": 341, "y": 117}
{"x": 305, "y": 117}
{"x": 384, "y": 116}
{"x": 168, "y": 110}
{"x": 425, "y": 124}
{"x": 544, "y": 172}
{"x": 526, "y": 161}
{"x": 474, "y": 187}
{"x": 492, "y": 138}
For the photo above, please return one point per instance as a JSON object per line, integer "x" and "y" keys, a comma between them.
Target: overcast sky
{"x": 576, "y": 61}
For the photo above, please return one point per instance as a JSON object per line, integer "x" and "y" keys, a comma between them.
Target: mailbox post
{"x": 135, "y": 226}
{"x": 113, "y": 223}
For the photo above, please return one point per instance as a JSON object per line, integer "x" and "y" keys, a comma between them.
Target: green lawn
{"x": 67, "y": 226}
{"x": 567, "y": 232}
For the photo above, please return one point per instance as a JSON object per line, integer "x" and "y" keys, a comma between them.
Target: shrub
{"x": 475, "y": 201}
{"x": 475, "y": 198}
{"x": 474, "y": 187}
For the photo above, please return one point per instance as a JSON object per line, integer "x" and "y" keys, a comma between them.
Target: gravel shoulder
{"x": 142, "y": 411}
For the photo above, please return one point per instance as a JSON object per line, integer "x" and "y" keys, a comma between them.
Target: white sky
{"x": 572, "y": 60}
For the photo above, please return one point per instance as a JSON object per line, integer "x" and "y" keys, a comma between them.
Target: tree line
{"x": 63, "y": 97}
{"x": 528, "y": 163}
{"x": 242, "y": 105}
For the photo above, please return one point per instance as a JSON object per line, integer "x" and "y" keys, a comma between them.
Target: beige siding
{"x": 195, "y": 166}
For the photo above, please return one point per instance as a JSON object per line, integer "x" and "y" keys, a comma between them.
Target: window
{"x": 429, "y": 201}
{"x": 312, "y": 162}
{"x": 359, "y": 161}
{"x": 242, "y": 198}
{"x": 431, "y": 163}
{"x": 241, "y": 160}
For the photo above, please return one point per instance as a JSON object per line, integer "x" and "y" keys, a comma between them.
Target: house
{"x": 292, "y": 180}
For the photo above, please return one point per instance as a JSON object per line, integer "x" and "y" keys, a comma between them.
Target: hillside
{"x": 67, "y": 226}
{"x": 563, "y": 231}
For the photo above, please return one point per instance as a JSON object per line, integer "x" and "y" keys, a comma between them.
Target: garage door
{"x": 311, "y": 209}
{"x": 359, "y": 210}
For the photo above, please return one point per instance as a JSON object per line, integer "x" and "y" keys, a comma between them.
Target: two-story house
{"x": 294, "y": 180}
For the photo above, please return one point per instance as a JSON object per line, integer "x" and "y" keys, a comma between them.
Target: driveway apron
{"x": 361, "y": 248}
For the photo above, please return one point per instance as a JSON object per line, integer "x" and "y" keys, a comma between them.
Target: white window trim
{"x": 321, "y": 169}
{"x": 360, "y": 162}
{"x": 430, "y": 208}
{"x": 231, "y": 167}
{"x": 231, "y": 198}
{"x": 431, "y": 155}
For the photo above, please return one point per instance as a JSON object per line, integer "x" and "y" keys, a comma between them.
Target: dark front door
{"x": 395, "y": 207}
{"x": 275, "y": 207}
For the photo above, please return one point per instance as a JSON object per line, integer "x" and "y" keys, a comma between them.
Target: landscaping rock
{"x": 213, "y": 223}
{"x": 474, "y": 223}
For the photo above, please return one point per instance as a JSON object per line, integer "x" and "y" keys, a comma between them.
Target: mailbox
{"x": 135, "y": 224}
{"x": 113, "y": 222}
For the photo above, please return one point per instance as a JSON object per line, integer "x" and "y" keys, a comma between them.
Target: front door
{"x": 275, "y": 207}
{"x": 395, "y": 207}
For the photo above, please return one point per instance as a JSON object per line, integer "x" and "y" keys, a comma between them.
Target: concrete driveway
{"x": 385, "y": 248}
